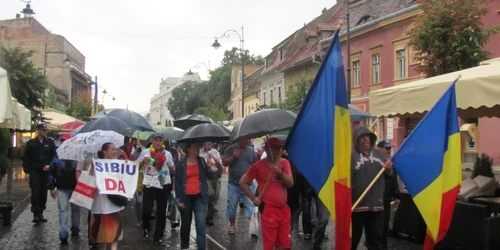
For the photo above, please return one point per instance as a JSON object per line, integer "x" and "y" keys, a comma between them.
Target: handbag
{"x": 85, "y": 190}
{"x": 118, "y": 200}
{"x": 210, "y": 187}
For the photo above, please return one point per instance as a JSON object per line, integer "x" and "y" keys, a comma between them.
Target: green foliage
{"x": 296, "y": 95}
{"x": 217, "y": 91}
{"x": 5, "y": 143}
{"x": 51, "y": 101}
{"x": 216, "y": 113}
{"x": 27, "y": 83}
{"x": 483, "y": 166}
{"x": 449, "y": 35}
{"x": 81, "y": 108}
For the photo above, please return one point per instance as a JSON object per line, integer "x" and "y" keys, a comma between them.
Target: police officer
{"x": 38, "y": 155}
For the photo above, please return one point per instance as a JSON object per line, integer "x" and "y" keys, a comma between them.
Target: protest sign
{"x": 153, "y": 178}
{"x": 116, "y": 177}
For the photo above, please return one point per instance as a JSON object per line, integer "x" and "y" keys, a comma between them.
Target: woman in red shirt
{"x": 191, "y": 192}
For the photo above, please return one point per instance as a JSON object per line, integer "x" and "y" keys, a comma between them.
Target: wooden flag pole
{"x": 368, "y": 189}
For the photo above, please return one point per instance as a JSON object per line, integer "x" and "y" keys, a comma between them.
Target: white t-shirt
{"x": 168, "y": 163}
{"x": 205, "y": 155}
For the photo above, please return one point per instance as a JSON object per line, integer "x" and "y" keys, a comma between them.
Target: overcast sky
{"x": 131, "y": 45}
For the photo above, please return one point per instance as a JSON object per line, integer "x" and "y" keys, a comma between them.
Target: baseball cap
{"x": 385, "y": 144}
{"x": 273, "y": 142}
{"x": 41, "y": 126}
{"x": 157, "y": 135}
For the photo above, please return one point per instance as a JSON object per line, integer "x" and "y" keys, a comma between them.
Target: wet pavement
{"x": 23, "y": 235}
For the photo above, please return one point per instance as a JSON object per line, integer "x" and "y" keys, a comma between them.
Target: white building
{"x": 158, "y": 110}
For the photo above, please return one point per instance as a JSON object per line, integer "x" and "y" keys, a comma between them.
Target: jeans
{"x": 319, "y": 220}
{"x": 193, "y": 204}
{"x": 160, "y": 196}
{"x": 138, "y": 207}
{"x": 63, "y": 196}
{"x": 212, "y": 202}
{"x": 234, "y": 194}
{"x": 372, "y": 223}
{"x": 39, "y": 187}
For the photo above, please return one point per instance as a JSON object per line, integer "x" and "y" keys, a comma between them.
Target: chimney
{"x": 18, "y": 16}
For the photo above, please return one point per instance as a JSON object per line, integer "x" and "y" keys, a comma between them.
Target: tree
{"x": 81, "y": 107}
{"x": 449, "y": 36}
{"x": 27, "y": 83}
{"x": 51, "y": 101}
{"x": 216, "y": 113}
{"x": 296, "y": 95}
{"x": 5, "y": 144}
{"x": 186, "y": 98}
{"x": 233, "y": 57}
{"x": 483, "y": 166}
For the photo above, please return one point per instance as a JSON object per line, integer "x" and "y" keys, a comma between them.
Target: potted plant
{"x": 483, "y": 166}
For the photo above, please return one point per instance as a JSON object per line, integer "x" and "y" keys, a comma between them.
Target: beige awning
{"x": 57, "y": 118}
{"x": 477, "y": 91}
{"x": 7, "y": 109}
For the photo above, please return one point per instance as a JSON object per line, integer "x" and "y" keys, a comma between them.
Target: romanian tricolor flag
{"x": 319, "y": 143}
{"x": 429, "y": 164}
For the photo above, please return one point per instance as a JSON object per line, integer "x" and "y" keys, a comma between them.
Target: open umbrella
{"x": 358, "y": 114}
{"x": 107, "y": 123}
{"x": 262, "y": 123}
{"x": 84, "y": 145}
{"x": 101, "y": 114}
{"x": 204, "y": 132}
{"x": 72, "y": 125}
{"x": 188, "y": 121}
{"x": 132, "y": 119}
{"x": 171, "y": 133}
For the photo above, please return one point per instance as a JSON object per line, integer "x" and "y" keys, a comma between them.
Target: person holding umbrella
{"x": 239, "y": 157}
{"x": 191, "y": 192}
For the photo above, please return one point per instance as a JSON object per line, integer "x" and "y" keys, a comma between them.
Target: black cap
{"x": 385, "y": 144}
{"x": 41, "y": 126}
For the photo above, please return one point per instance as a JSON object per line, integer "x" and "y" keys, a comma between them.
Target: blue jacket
{"x": 180, "y": 180}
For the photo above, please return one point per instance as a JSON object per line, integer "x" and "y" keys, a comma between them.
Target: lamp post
{"x": 348, "y": 36}
{"x": 217, "y": 45}
{"x": 198, "y": 65}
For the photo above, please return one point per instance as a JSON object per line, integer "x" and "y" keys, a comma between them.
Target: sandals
{"x": 232, "y": 230}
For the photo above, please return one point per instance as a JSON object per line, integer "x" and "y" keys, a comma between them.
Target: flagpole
{"x": 368, "y": 188}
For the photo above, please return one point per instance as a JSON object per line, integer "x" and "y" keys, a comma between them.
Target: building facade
{"x": 158, "y": 110}
{"x": 253, "y": 86}
{"x": 234, "y": 104}
{"x": 61, "y": 62}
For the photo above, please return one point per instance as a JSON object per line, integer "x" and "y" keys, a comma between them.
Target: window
{"x": 264, "y": 98}
{"x": 272, "y": 90}
{"x": 401, "y": 63}
{"x": 355, "y": 72}
{"x": 375, "y": 68}
{"x": 279, "y": 93}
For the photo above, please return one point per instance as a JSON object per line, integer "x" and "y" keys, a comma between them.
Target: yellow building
{"x": 234, "y": 104}
{"x": 252, "y": 99}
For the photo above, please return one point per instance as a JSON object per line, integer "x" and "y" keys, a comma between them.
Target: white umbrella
{"x": 86, "y": 145}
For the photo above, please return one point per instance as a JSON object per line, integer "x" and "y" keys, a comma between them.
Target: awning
{"x": 57, "y": 118}
{"x": 477, "y": 94}
{"x": 6, "y": 106}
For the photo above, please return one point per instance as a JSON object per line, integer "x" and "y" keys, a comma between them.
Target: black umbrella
{"x": 132, "y": 119}
{"x": 204, "y": 132}
{"x": 170, "y": 133}
{"x": 106, "y": 123}
{"x": 262, "y": 123}
{"x": 358, "y": 114}
{"x": 188, "y": 121}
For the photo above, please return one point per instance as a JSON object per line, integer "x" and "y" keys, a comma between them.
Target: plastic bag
{"x": 254, "y": 222}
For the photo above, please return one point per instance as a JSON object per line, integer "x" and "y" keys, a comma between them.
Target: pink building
{"x": 381, "y": 58}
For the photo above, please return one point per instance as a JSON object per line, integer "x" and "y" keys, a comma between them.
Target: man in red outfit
{"x": 273, "y": 176}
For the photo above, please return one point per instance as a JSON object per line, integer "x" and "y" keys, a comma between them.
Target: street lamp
{"x": 348, "y": 36}
{"x": 28, "y": 11}
{"x": 217, "y": 45}
{"x": 198, "y": 65}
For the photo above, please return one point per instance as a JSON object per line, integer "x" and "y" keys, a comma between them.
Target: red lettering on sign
{"x": 121, "y": 187}
{"x": 110, "y": 184}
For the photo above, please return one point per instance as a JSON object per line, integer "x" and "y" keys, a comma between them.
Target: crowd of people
{"x": 262, "y": 178}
